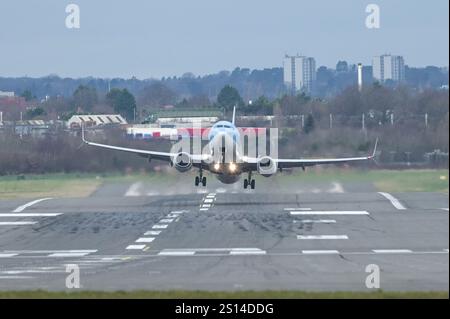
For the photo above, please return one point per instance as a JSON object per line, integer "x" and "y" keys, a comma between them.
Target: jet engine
{"x": 182, "y": 162}
{"x": 267, "y": 166}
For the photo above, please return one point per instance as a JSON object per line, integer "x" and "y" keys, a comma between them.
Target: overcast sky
{"x": 156, "y": 38}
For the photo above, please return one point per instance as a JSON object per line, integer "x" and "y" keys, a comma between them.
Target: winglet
{"x": 374, "y": 149}
{"x": 234, "y": 115}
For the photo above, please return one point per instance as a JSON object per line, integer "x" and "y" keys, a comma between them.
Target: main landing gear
{"x": 249, "y": 181}
{"x": 200, "y": 179}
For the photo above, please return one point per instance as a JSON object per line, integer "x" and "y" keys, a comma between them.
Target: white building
{"x": 6, "y": 94}
{"x": 95, "y": 120}
{"x": 388, "y": 67}
{"x": 299, "y": 73}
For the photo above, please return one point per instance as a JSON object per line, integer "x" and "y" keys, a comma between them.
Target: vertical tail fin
{"x": 234, "y": 115}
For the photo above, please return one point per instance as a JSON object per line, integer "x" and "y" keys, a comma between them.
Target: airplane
{"x": 223, "y": 159}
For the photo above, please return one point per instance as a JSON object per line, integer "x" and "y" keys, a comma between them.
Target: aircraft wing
{"x": 291, "y": 163}
{"x": 163, "y": 156}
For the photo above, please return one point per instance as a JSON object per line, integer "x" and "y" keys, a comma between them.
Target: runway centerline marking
{"x": 320, "y": 237}
{"x": 145, "y": 239}
{"x": 331, "y": 212}
{"x": 394, "y": 201}
{"x": 152, "y": 233}
{"x": 159, "y": 226}
{"x": 298, "y": 208}
{"x": 25, "y": 206}
{"x": 135, "y": 247}
{"x": 16, "y": 223}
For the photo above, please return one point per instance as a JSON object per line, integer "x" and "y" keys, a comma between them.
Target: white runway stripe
{"x": 206, "y": 205}
{"x": 394, "y": 201}
{"x": 204, "y": 209}
{"x": 16, "y": 223}
{"x": 7, "y": 255}
{"x": 208, "y": 200}
{"x": 135, "y": 247}
{"x": 392, "y": 251}
{"x": 133, "y": 190}
{"x": 68, "y": 254}
{"x": 152, "y": 233}
{"x": 328, "y": 237}
{"x": 330, "y": 213}
{"x": 23, "y": 207}
{"x": 316, "y": 221}
{"x": 446, "y": 209}
{"x": 18, "y": 215}
{"x": 51, "y": 251}
{"x": 145, "y": 240}
{"x": 298, "y": 208}
{"x": 247, "y": 252}
{"x": 336, "y": 188}
{"x": 159, "y": 226}
{"x": 166, "y": 220}
{"x": 320, "y": 252}
{"x": 176, "y": 253}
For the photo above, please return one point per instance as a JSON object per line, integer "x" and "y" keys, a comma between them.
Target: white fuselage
{"x": 224, "y": 139}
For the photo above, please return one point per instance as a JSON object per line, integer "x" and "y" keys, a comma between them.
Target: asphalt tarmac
{"x": 312, "y": 237}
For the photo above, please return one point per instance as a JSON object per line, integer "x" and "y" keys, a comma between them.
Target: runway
{"x": 312, "y": 237}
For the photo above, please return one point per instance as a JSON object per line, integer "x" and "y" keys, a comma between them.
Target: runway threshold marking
{"x": 25, "y": 206}
{"x": 363, "y": 212}
{"x": 394, "y": 201}
{"x": 321, "y": 237}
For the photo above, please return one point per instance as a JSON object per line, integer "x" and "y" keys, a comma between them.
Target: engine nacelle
{"x": 182, "y": 162}
{"x": 267, "y": 166}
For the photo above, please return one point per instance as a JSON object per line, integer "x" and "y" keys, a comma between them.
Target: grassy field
{"x": 65, "y": 185}
{"x": 384, "y": 180}
{"x": 39, "y": 294}
{"x": 82, "y": 185}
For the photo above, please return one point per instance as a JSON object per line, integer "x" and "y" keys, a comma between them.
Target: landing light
{"x": 232, "y": 167}
{"x": 217, "y": 166}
